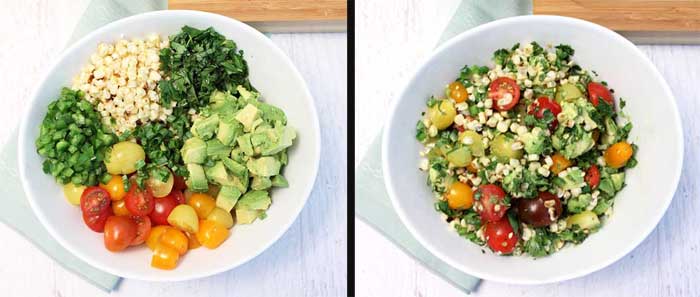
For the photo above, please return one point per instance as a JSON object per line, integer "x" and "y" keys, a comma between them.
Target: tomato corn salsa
{"x": 161, "y": 142}
{"x": 527, "y": 155}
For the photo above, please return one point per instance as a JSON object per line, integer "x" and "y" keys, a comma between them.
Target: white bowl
{"x": 279, "y": 83}
{"x": 638, "y": 208}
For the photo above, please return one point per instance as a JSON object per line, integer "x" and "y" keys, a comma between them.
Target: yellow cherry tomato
{"x": 458, "y": 92}
{"x": 164, "y": 257}
{"x": 184, "y": 217}
{"x": 460, "y": 196}
{"x": 559, "y": 163}
{"x": 123, "y": 156}
{"x": 192, "y": 243}
{"x": 211, "y": 234}
{"x": 154, "y": 236}
{"x": 119, "y": 208}
{"x": 222, "y": 217}
{"x": 202, "y": 203}
{"x": 115, "y": 188}
{"x": 175, "y": 239}
{"x": 442, "y": 114}
{"x": 618, "y": 154}
{"x": 73, "y": 193}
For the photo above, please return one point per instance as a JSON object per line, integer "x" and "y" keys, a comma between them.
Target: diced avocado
{"x": 238, "y": 155}
{"x": 260, "y": 183}
{"x": 585, "y": 220}
{"x": 606, "y": 186}
{"x": 227, "y": 198}
{"x": 271, "y": 113}
{"x": 197, "y": 181}
{"x": 282, "y": 157}
{"x": 579, "y": 146}
{"x": 217, "y": 150}
{"x": 567, "y": 92}
{"x": 571, "y": 179}
{"x": 236, "y": 168}
{"x": 279, "y": 181}
{"x": 205, "y": 128}
{"x": 246, "y": 216}
{"x": 217, "y": 97}
{"x": 618, "y": 180}
{"x": 610, "y": 134}
{"x": 259, "y": 200}
{"x": 535, "y": 141}
{"x": 218, "y": 174}
{"x": 245, "y": 145}
{"x": 241, "y": 183}
{"x": 460, "y": 156}
{"x": 264, "y": 166}
{"x": 228, "y": 131}
{"x": 579, "y": 203}
{"x": 285, "y": 141}
{"x": 194, "y": 151}
{"x": 247, "y": 116}
{"x": 247, "y": 95}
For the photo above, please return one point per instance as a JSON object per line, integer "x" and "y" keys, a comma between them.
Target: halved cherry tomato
{"x": 593, "y": 176}
{"x": 543, "y": 103}
{"x": 143, "y": 229}
{"x": 491, "y": 204}
{"x": 97, "y": 222}
{"x": 179, "y": 183}
{"x": 94, "y": 201}
{"x": 202, "y": 203}
{"x": 598, "y": 90}
{"x": 139, "y": 202}
{"x": 192, "y": 243}
{"x": 617, "y": 154}
{"x": 504, "y": 92}
{"x": 115, "y": 188}
{"x": 179, "y": 196}
{"x": 458, "y": 92}
{"x": 174, "y": 238}
{"x": 163, "y": 207}
{"x": 211, "y": 234}
{"x": 500, "y": 236}
{"x": 559, "y": 163}
{"x": 119, "y": 208}
{"x": 164, "y": 257}
{"x": 154, "y": 235}
{"x": 120, "y": 231}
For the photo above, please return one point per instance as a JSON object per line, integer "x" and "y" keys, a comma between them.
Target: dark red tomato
{"x": 179, "y": 183}
{"x": 163, "y": 207}
{"x": 139, "y": 202}
{"x": 499, "y": 88}
{"x": 597, "y": 90}
{"x": 97, "y": 222}
{"x": 120, "y": 231}
{"x": 500, "y": 236}
{"x": 542, "y": 104}
{"x": 536, "y": 211}
{"x": 94, "y": 201}
{"x": 490, "y": 203}
{"x": 593, "y": 176}
{"x": 143, "y": 229}
{"x": 179, "y": 197}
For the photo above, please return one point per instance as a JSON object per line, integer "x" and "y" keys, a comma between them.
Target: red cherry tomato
{"x": 179, "y": 183}
{"x": 500, "y": 236}
{"x": 179, "y": 197}
{"x": 120, "y": 231}
{"x": 95, "y": 201}
{"x": 597, "y": 90}
{"x": 543, "y": 103}
{"x": 97, "y": 222}
{"x": 499, "y": 88}
{"x": 163, "y": 207}
{"x": 143, "y": 229}
{"x": 491, "y": 205}
{"x": 139, "y": 202}
{"x": 593, "y": 176}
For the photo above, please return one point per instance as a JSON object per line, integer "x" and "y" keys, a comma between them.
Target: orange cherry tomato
{"x": 458, "y": 92}
{"x": 115, "y": 188}
{"x": 559, "y": 163}
{"x": 119, "y": 208}
{"x": 175, "y": 239}
{"x": 211, "y": 234}
{"x": 154, "y": 235}
{"x": 202, "y": 203}
{"x": 460, "y": 196}
{"x": 119, "y": 233}
{"x": 193, "y": 242}
{"x": 164, "y": 257}
{"x": 618, "y": 154}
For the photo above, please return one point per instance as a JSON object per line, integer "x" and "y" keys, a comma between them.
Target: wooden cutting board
{"x": 277, "y": 15}
{"x": 642, "y": 21}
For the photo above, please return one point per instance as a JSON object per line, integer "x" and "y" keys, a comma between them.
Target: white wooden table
{"x": 392, "y": 37}
{"x": 33, "y": 34}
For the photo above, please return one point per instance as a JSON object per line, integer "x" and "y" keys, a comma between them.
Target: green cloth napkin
{"x": 372, "y": 203}
{"x": 16, "y": 212}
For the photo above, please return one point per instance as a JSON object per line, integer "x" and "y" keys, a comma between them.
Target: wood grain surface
{"x": 664, "y": 265}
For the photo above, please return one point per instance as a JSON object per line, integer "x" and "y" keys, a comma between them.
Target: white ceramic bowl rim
{"x": 53, "y": 230}
{"x": 522, "y": 20}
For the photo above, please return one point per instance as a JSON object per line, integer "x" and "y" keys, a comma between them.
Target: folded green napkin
{"x": 16, "y": 212}
{"x": 372, "y": 203}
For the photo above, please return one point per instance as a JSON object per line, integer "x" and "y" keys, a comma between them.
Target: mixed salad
{"x": 166, "y": 142}
{"x": 526, "y": 156}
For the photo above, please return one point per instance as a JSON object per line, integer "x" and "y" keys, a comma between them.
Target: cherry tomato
{"x": 120, "y": 231}
{"x": 139, "y": 202}
{"x": 459, "y": 196}
{"x": 115, "y": 188}
{"x": 192, "y": 243}
{"x": 504, "y": 92}
{"x": 458, "y": 92}
{"x": 119, "y": 208}
{"x": 211, "y": 234}
{"x": 500, "y": 236}
{"x": 97, "y": 222}
{"x": 593, "y": 176}
{"x": 202, "y": 203}
{"x": 164, "y": 257}
{"x": 143, "y": 229}
{"x": 491, "y": 204}
{"x": 616, "y": 155}
{"x": 94, "y": 201}
{"x": 597, "y": 90}
{"x": 174, "y": 238}
{"x": 179, "y": 197}
{"x": 559, "y": 163}
{"x": 543, "y": 103}
{"x": 179, "y": 183}
{"x": 536, "y": 211}
{"x": 163, "y": 207}
{"x": 154, "y": 235}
